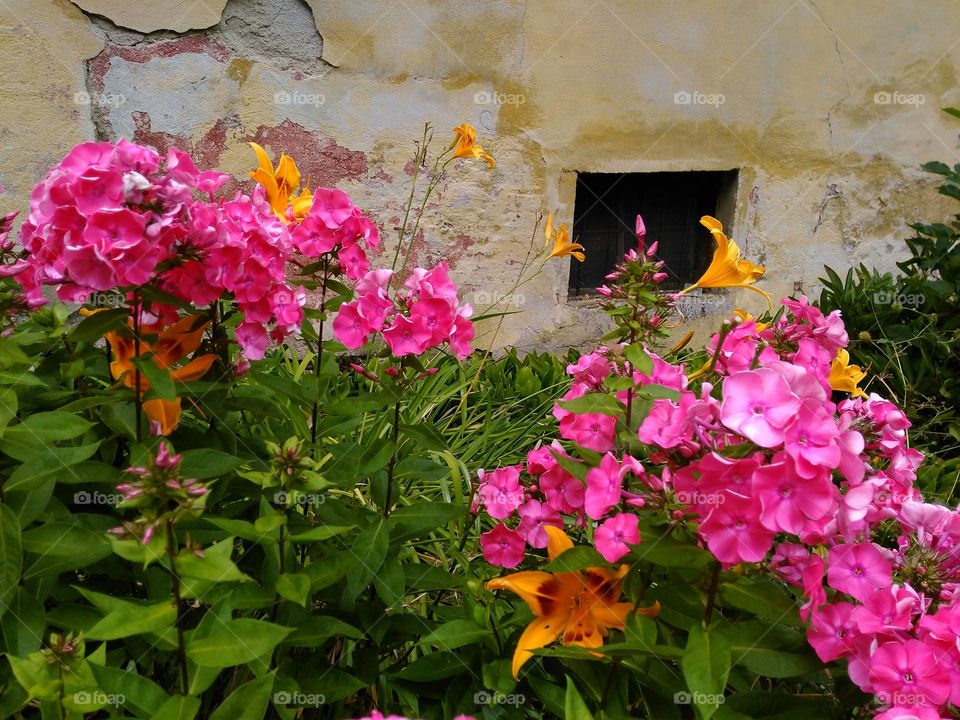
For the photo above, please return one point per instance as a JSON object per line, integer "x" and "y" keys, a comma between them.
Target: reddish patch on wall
{"x": 206, "y": 151}
{"x": 318, "y": 156}
{"x": 199, "y": 43}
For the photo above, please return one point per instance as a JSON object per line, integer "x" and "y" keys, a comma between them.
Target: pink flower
{"x": 462, "y": 334}
{"x": 436, "y": 315}
{"x": 501, "y": 492}
{"x": 758, "y": 404}
{"x": 604, "y": 487}
{"x": 615, "y": 534}
{"x": 354, "y": 261}
{"x": 909, "y": 713}
{"x": 407, "y": 336}
{"x": 733, "y": 531}
{"x": 811, "y": 439}
{"x": 832, "y": 631}
{"x": 909, "y": 668}
{"x": 666, "y": 424}
{"x": 561, "y": 489}
{"x": 592, "y": 431}
{"x": 252, "y": 339}
{"x": 788, "y": 500}
{"x": 886, "y": 611}
{"x": 859, "y": 570}
{"x": 534, "y": 515}
{"x": 502, "y": 546}
{"x": 350, "y": 327}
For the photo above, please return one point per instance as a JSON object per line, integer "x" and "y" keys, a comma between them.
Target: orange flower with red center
{"x": 172, "y": 345}
{"x": 577, "y": 608}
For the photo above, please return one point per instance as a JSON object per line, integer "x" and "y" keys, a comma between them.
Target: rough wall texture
{"x": 827, "y": 110}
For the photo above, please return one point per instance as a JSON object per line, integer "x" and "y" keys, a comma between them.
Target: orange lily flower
{"x": 727, "y": 269}
{"x": 172, "y": 345}
{"x": 561, "y": 241}
{"x": 578, "y": 608}
{"x": 466, "y": 144}
{"x": 280, "y": 184}
{"x": 844, "y": 376}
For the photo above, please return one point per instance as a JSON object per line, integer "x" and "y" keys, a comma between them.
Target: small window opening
{"x": 671, "y": 204}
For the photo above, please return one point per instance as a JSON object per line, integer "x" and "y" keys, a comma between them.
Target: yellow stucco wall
{"x": 827, "y": 109}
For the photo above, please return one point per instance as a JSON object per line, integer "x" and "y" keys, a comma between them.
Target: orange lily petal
{"x": 542, "y": 631}
{"x": 164, "y": 412}
{"x": 179, "y": 340}
{"x": 263, "y": 159}
{"x": 726, "y": 268}
{"x": 271, "y": 191}
{"x": 194, "y": 370}
{"x": 287, "y": 174}
{"x": 542, "y": 591}
{"x": 557, "y": 542}
{"x": 302, "y": 203}
{"x": 844, "y": 376}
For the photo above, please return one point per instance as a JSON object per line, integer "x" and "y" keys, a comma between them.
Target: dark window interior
{"x": 671, "y": 204}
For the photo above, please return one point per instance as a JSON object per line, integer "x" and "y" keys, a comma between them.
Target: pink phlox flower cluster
{"x": 114, "y": 217}
{"x": 423, "y": 314}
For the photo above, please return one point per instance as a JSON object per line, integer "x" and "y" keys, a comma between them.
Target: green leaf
{"x": 426, "y": 434}
{"x": 317, "y": 629}
{"x": 370, "y": 548}
{"x": 205, "y": 463}
{"x": 294, "y": 587}
{"x": 594, "y": 403}
{"x": 236, "y": 642}
{"x": 178, "y": 707}
{"x": 216, "y": 565}
{"x": 47, "y": 427}
{"x": 141, "y": 695}
{"x": 160, "y": 379}
{"x": 389, "y": 582}
{"x": 328, "y": 686}
{"x": 243, "y": 529}
{"x": 574, "y": 707}
{"x": 761, "y": 597}
{"x": 321, "y": 532}
{"x": 424, "y": 516}
{"x": 576, "y": 558}
{"x": 247, "y": 702}
{"x": 11, "y": 556}
{"x": 8, "y": 407}
{"x": 62, "y": 539}
{"x": 668, "y": 552}
{"x": 639, "y": 358}
{"x": 129, "y": 619}
{"x": 454, "y": 634}
{"x": 329, "y": 569}
{"x": 434, "y": 666}
{"x": 706, "y": 665}
{"x": 94, "y": 327}
{"x": 30, "y": 451}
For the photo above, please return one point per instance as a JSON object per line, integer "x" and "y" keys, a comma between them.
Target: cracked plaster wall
{"x": 827, "y": 173}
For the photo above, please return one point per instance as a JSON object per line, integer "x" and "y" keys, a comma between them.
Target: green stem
{"x": 711, "y": 595}
{"x": 393, "y": 460}
{"x": 438, "y": 171}
{"x": 63, "y": 693}
{"x": 417, "y": 161}
{"x": 178, "y": 600}
{"x": 137, "y": 393}
{"x": 315, "y": 413}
